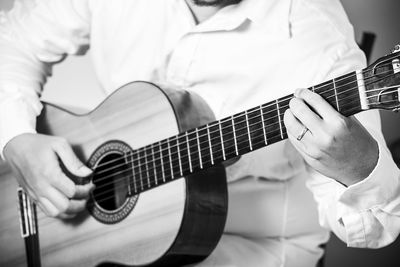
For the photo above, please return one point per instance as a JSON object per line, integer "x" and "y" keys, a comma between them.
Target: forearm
{"x": 34, "y": 35}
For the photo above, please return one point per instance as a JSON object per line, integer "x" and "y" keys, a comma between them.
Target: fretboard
{"x": 229, "y": 137}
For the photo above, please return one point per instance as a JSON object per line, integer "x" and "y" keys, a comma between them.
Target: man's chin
{"x": 215, "y": 2}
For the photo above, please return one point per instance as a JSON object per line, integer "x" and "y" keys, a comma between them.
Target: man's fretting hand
{"x": 336, "y": 146}
{"x": 34, "y": 159}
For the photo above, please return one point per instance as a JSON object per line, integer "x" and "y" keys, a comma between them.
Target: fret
{"x": 188, "y": 151}
{"x": 256, "y": 128}
{"x": 179, "y": 156}
{"x": 132, "y": 161}
{"x": 176, "y": 163}
{"x": 283, "y": 106}
{"x": 170, "y": 160}
{"x": 248, "y": 131}
{"x": 263, "y": 125}
{"x": 222, "y": 142}
{"x": 140, "y": 166}
{"x": 194, "y": 153}
{"x": 361, "y": 89}
{"x": 336, "y": 95}
{"x": 228, "y": 137}
{"x": 241, "y": 133}
{"x": 127, "y": 160}
{"x": 154, "y": 165}
{"x": 199, "y": 149}
{"x": 162, "y": 162}
{"x": 234, "y": 136}
{"x": 271, "y": 121}
{"x": 209, "y": 144}
{"x": 158, "y": 163}
{"x": 313, "y": 88}
{"x": 324, "y": 90}
{"x": 204, "y": 142}
{"x": 146, "y": 155}
{"x": 217, "y": 151}
{"x": 279, "y": 118}
{"x": 183, "y": 151}
{"x": 348, "y": 94}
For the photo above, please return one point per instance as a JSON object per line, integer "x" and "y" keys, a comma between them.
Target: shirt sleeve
{"x": 34, "y": 35}
{"x": 365, "y": 214}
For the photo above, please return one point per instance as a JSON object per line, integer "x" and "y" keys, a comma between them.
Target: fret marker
{"x": 279, "y": 117}
{"x": 222, "y": 141}
{"x": 154, "y": 165}
{"x": 234, "y": 136}
{"x": 198, "y": 147}
{"x": 263, "y": 125}
{"x": 170, "y": 160}
{"x": 336, "y": 95}
{"x": 209, "y": 144}
{"x": 361, "y": 89}
{"x": 179, "y": 155}
{"x": 248, "y": 131}
{"x": 188, "y": 149}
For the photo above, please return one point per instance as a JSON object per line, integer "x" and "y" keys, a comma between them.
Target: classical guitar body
{"x": 177, "y": 222}
{"x": 140, "y": 142}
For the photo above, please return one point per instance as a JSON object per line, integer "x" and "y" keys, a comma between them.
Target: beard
{"x": 215, "y": 2}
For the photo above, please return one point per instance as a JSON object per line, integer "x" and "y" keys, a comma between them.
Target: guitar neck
{"x": 205, "y": 146}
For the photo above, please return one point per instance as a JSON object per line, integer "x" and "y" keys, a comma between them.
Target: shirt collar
{"x": 272, "y": 15}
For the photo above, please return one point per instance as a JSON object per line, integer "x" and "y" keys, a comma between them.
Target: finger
{"x": 305, "y": 115}
{"x": 83, "y": 191}
{"x": 70, "y": 160}
{"x": 295, "y": 128}
{"x": 59, "y": 200}
{"x": 76, "y": 206}
{"x": 47, "y": 207}
{"x": 320, "y": 105}
{"x": 65, "y": 185}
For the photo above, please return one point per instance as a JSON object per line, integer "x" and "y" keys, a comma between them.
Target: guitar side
{"x": 174, "y": 224}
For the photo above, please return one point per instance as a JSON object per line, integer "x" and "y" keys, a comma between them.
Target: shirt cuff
{"x": 358, "y": 200}
{"x": 377, "y": 189}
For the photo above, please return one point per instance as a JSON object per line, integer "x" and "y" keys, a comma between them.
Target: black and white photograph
{"x": 199, "y": 133}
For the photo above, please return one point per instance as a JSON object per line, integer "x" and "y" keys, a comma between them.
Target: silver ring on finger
{"x": 303, "y": 132}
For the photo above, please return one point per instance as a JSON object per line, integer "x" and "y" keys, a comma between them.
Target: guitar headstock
{"x": 382, "y": 82}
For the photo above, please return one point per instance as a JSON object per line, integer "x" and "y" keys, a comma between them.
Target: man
{"x": 236, "y": 55}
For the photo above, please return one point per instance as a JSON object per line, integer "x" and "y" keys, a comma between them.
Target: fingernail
{"x": 84, "y": 171}
{"x": 297, "y": 92}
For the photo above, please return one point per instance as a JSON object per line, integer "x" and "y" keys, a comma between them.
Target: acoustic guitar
{"x": 161, "y": 195}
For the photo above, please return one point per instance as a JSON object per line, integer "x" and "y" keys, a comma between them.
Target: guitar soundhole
{"x": 112, "y": 200}
{"x": 112, "y": 182}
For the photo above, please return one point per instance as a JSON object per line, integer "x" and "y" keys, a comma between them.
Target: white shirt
{"x": 243, "y": 56}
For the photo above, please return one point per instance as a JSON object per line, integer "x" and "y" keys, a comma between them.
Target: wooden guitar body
{"x": 176, "y": 223}
{"x": 139, "y": 142}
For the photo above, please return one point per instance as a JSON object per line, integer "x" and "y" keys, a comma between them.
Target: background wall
{"x": 74, "y": 84}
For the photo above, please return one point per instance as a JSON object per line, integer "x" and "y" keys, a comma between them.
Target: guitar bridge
{"x": 27, "y": 214}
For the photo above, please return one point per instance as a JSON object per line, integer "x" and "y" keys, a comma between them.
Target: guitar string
{"x": 139, "y": 158}
{"x": 228, "y": 119}
{"x": 146, "y": 184}
{"x": 157, "y": 159}
{"x": 205, "y": 162}
{"x": 175, "y": 160}
{"x": 149, "y": 170}
{"x": 155, "y": 173}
